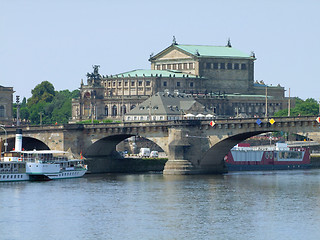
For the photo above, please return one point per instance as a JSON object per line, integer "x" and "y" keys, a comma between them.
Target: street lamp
{"x": 5, "y": 132}
{"x": 18, "y": 109}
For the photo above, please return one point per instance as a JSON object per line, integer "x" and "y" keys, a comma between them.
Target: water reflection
{"x": 251, "y": 205}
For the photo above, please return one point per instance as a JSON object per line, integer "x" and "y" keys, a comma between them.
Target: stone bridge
{"x": 192, "y": 146}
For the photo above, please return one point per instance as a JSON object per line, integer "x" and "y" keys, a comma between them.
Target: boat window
{"x": 290, "y": 155}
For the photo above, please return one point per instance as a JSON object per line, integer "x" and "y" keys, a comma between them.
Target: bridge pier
{"x": 179, "y": 167}
{"x": 186, "y": 153}
{"x": 179, "y": 146}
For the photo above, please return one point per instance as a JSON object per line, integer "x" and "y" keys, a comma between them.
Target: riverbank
{"x": 126, "y": 165}
{"x": 143, "y": 165}
{"x": 315, "y": 160}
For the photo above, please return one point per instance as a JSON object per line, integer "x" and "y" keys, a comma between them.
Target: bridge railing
{"x": 185, "y": 122}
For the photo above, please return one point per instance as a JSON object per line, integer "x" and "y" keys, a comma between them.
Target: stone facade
{"x": 6, "y": 100}
{"x": 220, "y": 77}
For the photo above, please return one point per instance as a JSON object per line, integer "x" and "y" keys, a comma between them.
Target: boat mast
{"x": 289, "y": 104}
{"x": 266, "y": 101}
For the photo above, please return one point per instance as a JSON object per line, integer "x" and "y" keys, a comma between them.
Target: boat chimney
{"x": 18, "y": 144}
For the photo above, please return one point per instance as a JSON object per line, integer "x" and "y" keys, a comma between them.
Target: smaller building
{"x": 6, "y": 104}
{"x": 167, "y": 106}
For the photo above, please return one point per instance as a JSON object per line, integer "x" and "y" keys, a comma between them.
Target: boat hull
{"x": 14, "y": 177}
{"x": 232, "y": 167}
{"x": 66, "y": 174}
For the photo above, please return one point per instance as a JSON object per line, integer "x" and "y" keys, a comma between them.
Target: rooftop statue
{"x": 94, "y": 78}
{"x": 174, "y": 41}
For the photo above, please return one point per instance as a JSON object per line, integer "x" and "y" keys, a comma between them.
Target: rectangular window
{"x": 126, "y": 84}
{"x": 113, "y": 84}
{"x": 190, "y": 65}
{"x": 229, "y": 65}
{"x": 174, "y": 66}
{"x": 158, "y": 67}
{"x": 222, "y": 66}
{"x": 215, "y": 66}
{"x": 168, "y": 66}
{"x": 178, "y": 84}
{"x": 163, "y": 66}
{"x": 164, "y": 84}
{"x": 180, "y": 66}
{"x": 208, "y": 65}
{"x": 140, "y": 83}
{"x": 132, "y": 84}
{"x": 147, "y": 83}
{"x": 185, "y": 66}
{"x": 191, "y": 84}
{"x": 119, "y": 84}
{"x": 109, "y": 84}
{"x": 244, "y": 66}
{"x": 236, "y": 66}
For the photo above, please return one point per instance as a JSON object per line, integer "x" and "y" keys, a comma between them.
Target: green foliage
{"x": 89, "y": 122}
{"x": 46, "y": 104}
{"x": 107, "y": 121}
{"x": 43, "y": 92}
{"x": 97, "y": 121}
{"x": 308, "y": 107}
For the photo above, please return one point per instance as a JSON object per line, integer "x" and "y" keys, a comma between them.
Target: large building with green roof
{"x": 220, "y": 77}
{"x": 224, "y": 68}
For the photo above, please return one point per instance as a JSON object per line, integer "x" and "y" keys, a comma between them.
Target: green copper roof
{"x": 154, "y": 73}
{"x": 213, "y": 51}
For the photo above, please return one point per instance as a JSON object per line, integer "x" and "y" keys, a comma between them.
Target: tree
{"x": 53, "y": 106}
{"x": 43, "y": 92}
{"x": 308, "y": 107}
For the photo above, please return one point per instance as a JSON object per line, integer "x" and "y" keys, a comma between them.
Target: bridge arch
{"x": 28, "y": 143}
{"x": 106, "y": 146}
{"x": 215, "y": 155}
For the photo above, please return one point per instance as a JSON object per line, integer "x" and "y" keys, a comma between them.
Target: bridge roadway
{"x": 192, "y": 146}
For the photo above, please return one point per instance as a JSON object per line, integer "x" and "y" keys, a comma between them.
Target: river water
{"x": 246, "y": 205}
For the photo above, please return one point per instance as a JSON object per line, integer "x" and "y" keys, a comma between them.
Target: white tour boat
{"x": 12, "y": 169}
{"x": 52, "y": 164}
{"x": 38, "y": 165}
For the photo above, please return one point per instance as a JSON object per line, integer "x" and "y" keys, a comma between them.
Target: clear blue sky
{"x": 59, "y": 41}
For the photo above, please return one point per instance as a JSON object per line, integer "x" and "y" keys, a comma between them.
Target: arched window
{"x": 123, "y": 109}
{"x": 114, "y": 110}
{"x": 1, "y": 111}
{"x": 106, "y": 111}
{"x": 86, "y": 107}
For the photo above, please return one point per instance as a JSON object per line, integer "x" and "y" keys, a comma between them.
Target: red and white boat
{"x": 243, "y": 157}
